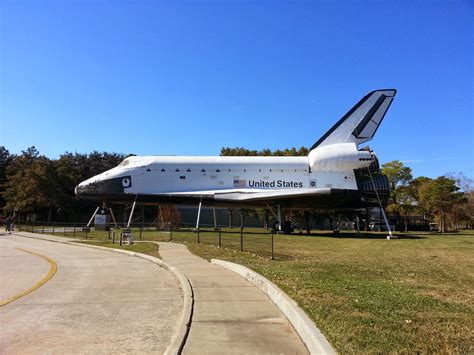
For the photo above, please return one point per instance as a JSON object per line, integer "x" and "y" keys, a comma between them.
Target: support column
{"x": 131, "y": 214}
{"x": 279, "y": 218}
{"x": 113, "y": 217}
{"x": 215, "y": 218}
{"x": 389, "y": 236}
{"x": 92, "y": 218}
{"x": 199, "y": 214}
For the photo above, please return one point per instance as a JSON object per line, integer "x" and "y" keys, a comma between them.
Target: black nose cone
{"x": 103, "y": 189}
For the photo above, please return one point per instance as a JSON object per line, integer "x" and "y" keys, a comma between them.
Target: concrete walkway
{"x": 97, "y": 302}
{"x": 230, "y": 314}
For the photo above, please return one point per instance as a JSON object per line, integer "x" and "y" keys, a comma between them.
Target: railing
{"x": 255, "y": 240}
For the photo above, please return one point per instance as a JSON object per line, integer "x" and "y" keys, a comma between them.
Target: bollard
{"x": 199, "y": 232}
{"x": 109, "y": 233}
{"x": 141, "y": 227}
{"x": 220, "y": 244}
{"x": 241, "y": 239}
{"x": 113, "y": 237}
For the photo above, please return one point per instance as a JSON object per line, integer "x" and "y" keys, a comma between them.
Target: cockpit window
{"x": 124, "y": 163}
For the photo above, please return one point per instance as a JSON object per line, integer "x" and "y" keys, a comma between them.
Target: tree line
{"x": 31, "y": 183}
{"x": 447, "y": 200}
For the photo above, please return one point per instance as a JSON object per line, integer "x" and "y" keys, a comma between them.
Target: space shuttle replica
{"x": 337, "y": 173}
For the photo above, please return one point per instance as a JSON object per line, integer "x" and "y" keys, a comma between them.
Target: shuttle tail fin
{"x": 361, "y": 122}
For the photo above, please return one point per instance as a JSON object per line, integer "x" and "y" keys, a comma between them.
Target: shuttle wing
{"x": 253, "y": 196}
{"x": 264, "y": 195}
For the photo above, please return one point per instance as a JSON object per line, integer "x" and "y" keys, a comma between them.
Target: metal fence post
{"x": 241, "y": 239}
{"x": 109, "y": 234}
{"x": 141, "y": 227}
{"x": 113, "y": 237}
{"x": 199, "y": 232}
{"x": 220, "y": 238}
{"x": 273, "y": 255}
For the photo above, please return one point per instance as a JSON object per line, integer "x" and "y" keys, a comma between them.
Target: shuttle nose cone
{"x": 80, "y": 190}
{"x": 100, "y": 189}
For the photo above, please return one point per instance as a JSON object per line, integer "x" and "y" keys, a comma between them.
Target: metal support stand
{"x": 271, "y": 210}
{"x": 273, "y": 252}
{"x": 113, "y": 217}
{"x": 131, "y": 214}
{"x": 338, "y": 224}
{"x": 215, "y": 218}
{"x": 389, "y": 236}
{"x": 198, "y": 216}
{"x": 279, "y": 218}
{"x": 357, "y": 224}
{"x": 92, "y": 218}
{"x": 127, "y": 232}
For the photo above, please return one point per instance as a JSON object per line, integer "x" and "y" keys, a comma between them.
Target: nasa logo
{"x": 126, "y": 182}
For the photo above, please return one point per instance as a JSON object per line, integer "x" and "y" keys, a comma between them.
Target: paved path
{"x": 96, "y": 302}
{"x": 230, "y": 314}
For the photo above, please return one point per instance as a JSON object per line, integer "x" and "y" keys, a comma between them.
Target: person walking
{"x": 8, "y": 222}
{"x": 12, "y": 223}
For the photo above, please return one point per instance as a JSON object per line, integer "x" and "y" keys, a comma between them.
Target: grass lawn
{"x": 366, "y": 294}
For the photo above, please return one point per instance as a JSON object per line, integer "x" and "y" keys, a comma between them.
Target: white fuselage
{"x": 329, "y": 176}
{"x": 325, "y": 167}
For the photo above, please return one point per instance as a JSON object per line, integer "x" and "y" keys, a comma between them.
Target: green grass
{"x": 145, "y": 248}
{"x": 367, "y": 294}
{"x": 371, "y": 295}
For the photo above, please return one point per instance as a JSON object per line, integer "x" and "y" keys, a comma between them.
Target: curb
{"x": 179, "y": 337}
{"x": 311, "y": 336}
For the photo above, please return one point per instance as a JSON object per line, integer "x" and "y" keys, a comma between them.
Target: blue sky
{"x": 188, "y": 77}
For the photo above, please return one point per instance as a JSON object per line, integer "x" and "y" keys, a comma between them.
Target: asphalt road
{"x": 95, "y": 302}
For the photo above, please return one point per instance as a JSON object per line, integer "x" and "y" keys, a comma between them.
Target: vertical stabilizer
{"x": 361, "y": 122}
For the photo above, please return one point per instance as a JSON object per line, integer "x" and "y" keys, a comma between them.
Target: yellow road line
{"x": 52, "y": 271}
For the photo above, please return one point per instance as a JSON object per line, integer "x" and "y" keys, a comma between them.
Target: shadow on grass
{"x": 362, "y": 235}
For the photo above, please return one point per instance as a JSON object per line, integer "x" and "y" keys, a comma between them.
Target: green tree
{"x": 407, "y": 202}
{"x": 397, "y": 175}
{"x": 463, "y": 211}
{"x": 31, "y": 183}
{"x": 5, "y": 159}
{"x": 402, "y": 199}
{"x": 441, "y": 196}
